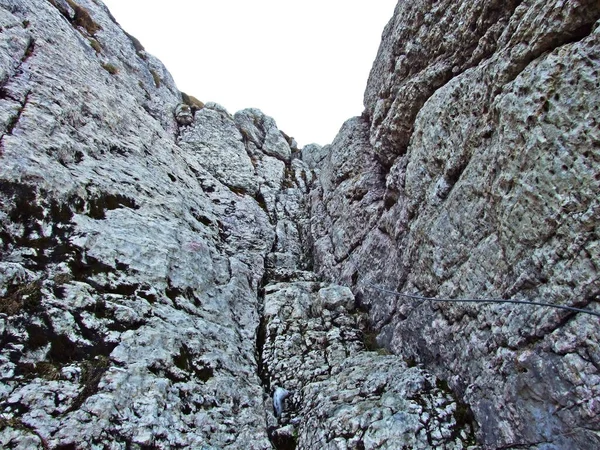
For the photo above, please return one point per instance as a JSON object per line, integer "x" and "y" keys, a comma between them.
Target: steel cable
{"x": 485, "y": 300}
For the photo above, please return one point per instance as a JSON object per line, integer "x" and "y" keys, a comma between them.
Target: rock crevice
{"x": 167, "y": 268}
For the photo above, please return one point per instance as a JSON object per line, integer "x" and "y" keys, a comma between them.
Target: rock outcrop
{"x": 473, "y": 173}
{"x": 174, "y": 276}
{"x": 129, "y": 272}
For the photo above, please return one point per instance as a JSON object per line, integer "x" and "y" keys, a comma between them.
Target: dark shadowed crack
{"x": 14, "y": 120}
{"x": 92, "y": 373}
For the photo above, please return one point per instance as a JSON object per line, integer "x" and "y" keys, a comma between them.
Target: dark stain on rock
{"x": 188, "y": 293}
{"x": 25, "y": 298}
{"x": 146, "y": 294}
{"x": 45, "y": 224}
{"x": 80, "y": 18}
{"x": 282, "y": 441}
{"x": 137, "y": 45}
{"x": 92, "y": 373}
{"x": 184, "y": 361}
{"x": 463, "y": 415}
{"x": 66, "y": 447}
{"x": 202, "y": 219}
{"x": 29, "y": 50}
{"x": 99, "y": 204}
{"x": 14, "y": 120}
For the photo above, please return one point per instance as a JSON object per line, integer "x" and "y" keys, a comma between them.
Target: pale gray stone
{"x": 213, "y": 139}
{"x": 132, "y": 271}
{"x": 341, "y": 395}
{"x": 262, "y": 131}
{"x": 162, "y": 279}
{"x": 313, "y": 155}
{"x": 479, "y": 140}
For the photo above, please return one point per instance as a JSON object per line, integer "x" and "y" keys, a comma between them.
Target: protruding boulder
{"x": 263, "y": 132}
{"x": 314, "y": 154}
{"x": 217, "y": 145}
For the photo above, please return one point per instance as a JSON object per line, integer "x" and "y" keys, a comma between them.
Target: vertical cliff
{"x": 168, "y": 269}
{"x": 128, "y": 272}
{"x": 474, "y": 173}
{"x": 156, "y": 282}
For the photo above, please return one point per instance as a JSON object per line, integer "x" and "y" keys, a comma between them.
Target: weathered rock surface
{"x": 214, "y": 138}
{"x": 166, "y": 267}
{"x": 474, "y": 173}
{"x": 129, "y": 273}
{"x": 342, "y": 396}
{"x": 262, "y": 131}
{"x": 146, "y": 240}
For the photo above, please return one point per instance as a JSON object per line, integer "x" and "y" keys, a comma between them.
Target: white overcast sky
{"x": 303, "y": 62}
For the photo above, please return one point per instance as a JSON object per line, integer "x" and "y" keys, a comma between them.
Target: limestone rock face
{"x": 175, "y": 276}
{"x": 146, "y": 248}
{"x": 342, "y": 396}
{"x": 214, "y": 138}
{"x": 474, "y": 174}
{"x": 262, "y": 131}
{"x": 129, "y": 272}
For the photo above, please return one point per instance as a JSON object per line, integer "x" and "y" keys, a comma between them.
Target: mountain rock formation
{"x": 166, "y": 267}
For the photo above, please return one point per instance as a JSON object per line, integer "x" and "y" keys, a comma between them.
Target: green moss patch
{"x": 43, "y": 369}
{"x": 184, "y": 361}
{"x": 80, "y": 19}
{"x": 95, "y": 45}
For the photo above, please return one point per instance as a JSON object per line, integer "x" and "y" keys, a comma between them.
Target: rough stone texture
{"x": 262, "y": 131}
{"x": 314, "y": 154}
{"x": 162, "y": 275}
{"x": 129, "y": 274}
{"x": 342, "y": 396}
{"x": 213, "y": 139}
{"x": 474, "y": 173}
{"x": 376, "y": 402}
{"x": 150, "y": 252}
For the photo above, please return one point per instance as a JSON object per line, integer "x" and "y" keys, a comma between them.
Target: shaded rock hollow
{"x": 165, "y": 268}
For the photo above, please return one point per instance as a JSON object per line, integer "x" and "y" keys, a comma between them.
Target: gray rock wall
{"x": 474, "y": 173}
{"x": 128, "y": 272}
{"x": 167, "y": 267}
{"x": 151, "y": 247}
